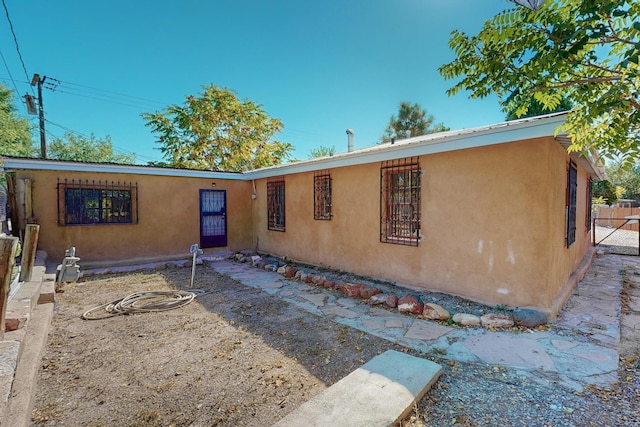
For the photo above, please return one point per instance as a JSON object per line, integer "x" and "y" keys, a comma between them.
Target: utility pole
{"x": 36, "y": 80}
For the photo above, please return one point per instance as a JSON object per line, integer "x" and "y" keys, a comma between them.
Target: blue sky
{"x": 319, "y": 66}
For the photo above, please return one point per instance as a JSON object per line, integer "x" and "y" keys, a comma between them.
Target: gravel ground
{"x": 239, "y": 357}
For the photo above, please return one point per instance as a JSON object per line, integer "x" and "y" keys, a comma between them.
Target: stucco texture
{"x": 492, "y": 224}
{"x": 168, "y": 213}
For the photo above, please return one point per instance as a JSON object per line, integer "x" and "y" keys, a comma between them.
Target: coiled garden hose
{"x": 142, "y": 302}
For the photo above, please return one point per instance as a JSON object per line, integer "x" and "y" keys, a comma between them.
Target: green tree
{"x": 536, "y": 108}
{"x": 583, "y": 50}
{"x": 412, "y": 120}
{"x": 217, "y": 131}
{"x": 625, "y": 177}
{"x": 81, "y": 149}
{"x": 322, "y": 151}
{"x": 15, "y": 131}
{"x": 606, "y": 191}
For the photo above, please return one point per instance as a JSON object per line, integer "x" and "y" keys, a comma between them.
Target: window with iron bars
{"x": 400, "y": 202}
{"x": 275, "y": 204}
{"x": 572, "y": 190}
{"x": 589, "y": 212}
{"x": 322, "y": 195}
{"x": 97, "y": 202}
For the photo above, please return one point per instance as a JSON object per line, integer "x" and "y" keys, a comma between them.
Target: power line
{"x": 151, "y": 101}
{"x": 10, "y": 76}
{"x": 67, "y": 91}
{"x": 15, "y": 39}
{"x": 114, "y": 147}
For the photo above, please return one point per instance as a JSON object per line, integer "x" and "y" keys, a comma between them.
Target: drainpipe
{"x": 350, "y": 134}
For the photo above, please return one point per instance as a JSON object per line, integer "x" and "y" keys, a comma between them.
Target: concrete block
{"x": 47, "y": 293}
{"x": 379, "y": 393}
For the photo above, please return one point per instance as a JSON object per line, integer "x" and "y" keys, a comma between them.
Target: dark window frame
{"x": 589, "y": 212}
{"x": 276, "y": 204}
{"x": 571, "y": 203}
{"x": 322, "y": 202}
{"x": 400, "y": 194}
{"x": 84, "y": 202}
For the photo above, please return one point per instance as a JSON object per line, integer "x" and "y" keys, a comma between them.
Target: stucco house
{"x": 499, "y": 214}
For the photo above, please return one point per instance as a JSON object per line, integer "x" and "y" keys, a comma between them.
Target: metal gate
{"x": 617, "y": 235}
{"x": 213, "y": 218}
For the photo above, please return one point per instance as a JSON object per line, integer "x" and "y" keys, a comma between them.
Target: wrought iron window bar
{"x": 85, "y": 202}
{"x": 400, "y": 201}
{"x": 322, "y": 195}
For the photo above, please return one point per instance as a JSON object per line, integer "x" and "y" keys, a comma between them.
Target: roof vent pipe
{"x": 350, "y": 134}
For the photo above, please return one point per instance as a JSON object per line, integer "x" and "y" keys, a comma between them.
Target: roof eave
{"x": 589, "y": 160}
{"x": 12, "y": 163}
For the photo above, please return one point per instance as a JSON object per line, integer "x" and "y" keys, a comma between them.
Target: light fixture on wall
{"x": 213, "y": 184}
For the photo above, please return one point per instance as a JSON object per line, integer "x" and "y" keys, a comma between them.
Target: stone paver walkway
{"x": 580, "y": 350}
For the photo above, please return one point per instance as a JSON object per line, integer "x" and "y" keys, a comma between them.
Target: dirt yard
{"x": 239, "y": 357}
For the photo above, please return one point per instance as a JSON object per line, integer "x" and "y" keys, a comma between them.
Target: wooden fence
{"x": 613, "y": 217}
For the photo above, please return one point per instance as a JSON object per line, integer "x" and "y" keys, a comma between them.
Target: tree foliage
{"x": 322, "y": 151}
{"x": 81, "y": 149}
{"x": 536, "y": 108}
{"x": 605, "y": 192}
{"x": 15, "y": 131}
{"x": 412, "y": 120}
{"x": 217, "y": 131}
{"x": 583, "y": 50}
{"x": 626, "y": 178}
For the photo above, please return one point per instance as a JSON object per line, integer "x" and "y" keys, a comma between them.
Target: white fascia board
{"x": 39, "y": 164}
{"x": 424, "y": 145}
{"x": 500, "y": 133}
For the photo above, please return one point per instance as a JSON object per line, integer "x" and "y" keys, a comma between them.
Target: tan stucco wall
{"x": 168, "y": 211}
{"x": 492, "y": 223}
{"x": 564, "y": 261}
{"x": 492, "y": 220}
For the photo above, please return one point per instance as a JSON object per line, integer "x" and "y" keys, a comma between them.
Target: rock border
{"x": 406, "y": 303}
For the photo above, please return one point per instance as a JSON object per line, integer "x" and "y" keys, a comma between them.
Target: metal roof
{"x": 499, "y": 133}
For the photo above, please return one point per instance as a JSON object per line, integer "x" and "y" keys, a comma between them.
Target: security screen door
{"x": 213, "y": 218}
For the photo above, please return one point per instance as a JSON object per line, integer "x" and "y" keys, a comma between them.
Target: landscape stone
{"x": 351, "y": 289}
{"x": 281, "y": 270}
{"x": 466, "y": 319}
{"x": 529, "y": 318}
{"x": 392, "y": 301}
{"x": 378, "y": 299}
{"x": 368, "y": 291}
{"x": 329, "y": 284}
{"x": 497, "y": 320}
{"x": 318, "y": 280}
{"x": 290, "y": 272}
{"x": 409, "y": 304}
{"x": 433, "y": 311}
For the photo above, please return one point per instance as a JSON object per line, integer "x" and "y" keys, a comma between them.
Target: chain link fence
{"x": 616, "y": 235}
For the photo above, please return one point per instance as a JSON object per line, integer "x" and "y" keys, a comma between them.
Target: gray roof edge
{"x": 499, "y": 133}
{"x": 14, "y": 163}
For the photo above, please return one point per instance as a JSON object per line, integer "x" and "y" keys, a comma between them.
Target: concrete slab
{"x": 18, "y": 409}
{"x": 340, "y": 312}
{"x": 8, "y": 361}
{"x": 514, "y": 350}
{"x": 426, "y": 331}
{"x": 47, "y": 292}
{"x": 379, "y": 393}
